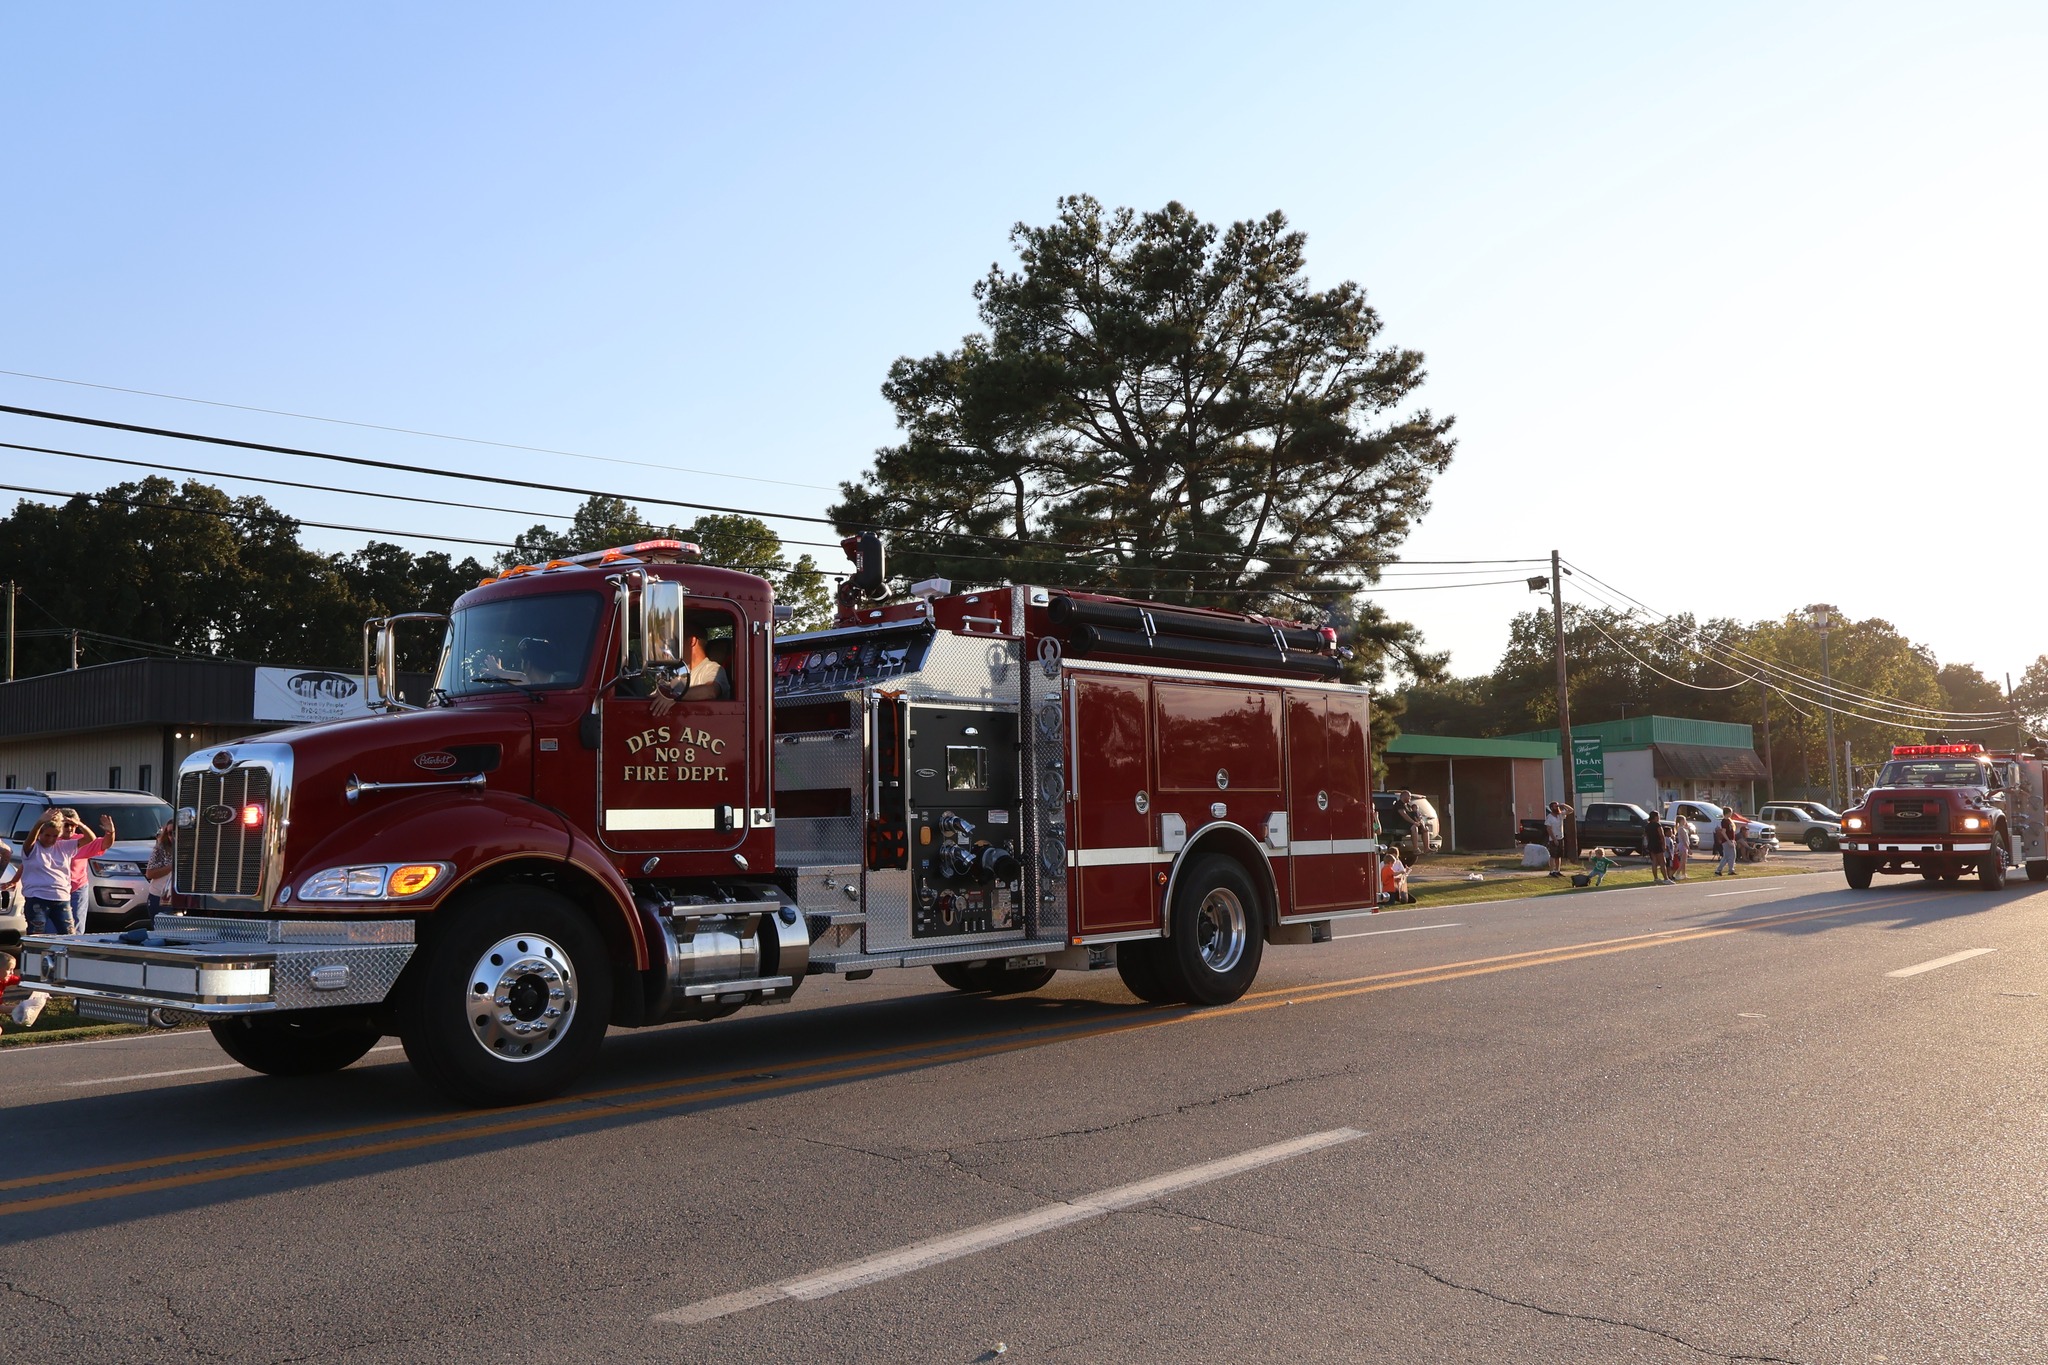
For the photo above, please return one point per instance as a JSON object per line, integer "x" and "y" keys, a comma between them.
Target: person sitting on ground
{"x": 1602, "y": 864}
{"x": 1394, "y": 880}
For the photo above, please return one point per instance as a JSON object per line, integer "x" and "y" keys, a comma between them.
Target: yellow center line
{"x": 896, "y": 1059}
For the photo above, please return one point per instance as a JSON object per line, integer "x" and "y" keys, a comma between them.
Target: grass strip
{"x": 1429, "y": 894}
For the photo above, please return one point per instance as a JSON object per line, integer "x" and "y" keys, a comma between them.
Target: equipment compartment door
{"x": 1115, "y": 848}
{"x": 1330, "y": 793}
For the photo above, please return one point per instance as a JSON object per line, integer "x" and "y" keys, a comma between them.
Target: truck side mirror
{"x": 387, "y": 663}
{"x": 661, "y": 623}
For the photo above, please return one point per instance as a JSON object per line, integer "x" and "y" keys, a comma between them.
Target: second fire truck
{"x": 1942, "y": 810}
{"x": 628, "y": 801}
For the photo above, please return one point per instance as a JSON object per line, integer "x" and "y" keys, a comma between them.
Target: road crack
{"x": 1507, "y": 1300}
{"x": 1190, "y": 1107}
{"x": 1856, "y": 1292}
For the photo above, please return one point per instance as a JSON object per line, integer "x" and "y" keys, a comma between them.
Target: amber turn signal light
{"x": 413, "y": 878}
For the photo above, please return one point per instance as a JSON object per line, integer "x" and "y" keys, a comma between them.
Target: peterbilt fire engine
{"x": 1945, "y": 809}
{"x": 629, "y": 801}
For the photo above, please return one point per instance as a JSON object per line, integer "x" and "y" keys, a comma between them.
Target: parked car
{"x": 120, "y": 893}
{"x": 1701, "y": 816}
{"x": 1396, "y": 831}
{"x": 1618, "y": 825}
{"x": 1798, "y": 825}
{"x": 1816, "y": 810}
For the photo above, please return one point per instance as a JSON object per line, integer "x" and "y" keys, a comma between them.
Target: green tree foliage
{"x": 1165, "y": 409}
{"x": 732, "y": 542}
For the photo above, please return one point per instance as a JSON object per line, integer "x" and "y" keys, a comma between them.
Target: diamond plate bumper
{"x": 215, "y": 967}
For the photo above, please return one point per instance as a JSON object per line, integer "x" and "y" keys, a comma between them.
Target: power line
{"x": 1845, "y": 693}
{"x": 366, "y": 462}
{"x": 244, "y": 516}
{"x": 412, "y": 431}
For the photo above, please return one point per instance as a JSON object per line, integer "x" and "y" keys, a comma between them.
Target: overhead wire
{"x": 244, "y": 516}
{"x": 362, "y": 461}
{"x": 1816, "y": 684}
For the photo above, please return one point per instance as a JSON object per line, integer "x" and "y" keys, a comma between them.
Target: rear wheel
{"x": 2037, "y": 870}
{"x": 1858, "y": 871}
{"x": 1218, "y": 934}
{"x": 1817, "y": 840}
{"x": 959, "y": 975}
{"x": 294, "y": 1047}
{"x": 509, "y": 999}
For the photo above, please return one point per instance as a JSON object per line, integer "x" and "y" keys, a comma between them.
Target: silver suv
{"x": 1803, "y": 825}
{"x": 120, "y": 893}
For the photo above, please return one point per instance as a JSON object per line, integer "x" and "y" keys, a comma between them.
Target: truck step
{"x": 746, "y": 987}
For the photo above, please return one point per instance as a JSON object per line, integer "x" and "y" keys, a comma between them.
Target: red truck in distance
{"x": 1942, "y": 810}
{"x": 630, "y": 802}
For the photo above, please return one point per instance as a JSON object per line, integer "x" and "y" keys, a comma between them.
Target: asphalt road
{"x": 1702, "y": 1122}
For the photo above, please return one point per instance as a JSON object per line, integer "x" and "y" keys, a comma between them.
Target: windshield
{"x": 519, "y": 642}
{"x": 132, "y": 820}
{"x": 1820, "y": 812}
{"x": 1934, "y": 772}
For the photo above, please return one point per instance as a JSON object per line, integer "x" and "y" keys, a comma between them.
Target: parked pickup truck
{"x": 1618, "y": 825}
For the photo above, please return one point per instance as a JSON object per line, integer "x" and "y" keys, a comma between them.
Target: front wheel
{"x": 1817, "y": 840}
{"x": 1218, "y": 934}
{"x": 309, "y": 1046}
{"x": 1858, "y": 871}
{"x": 1991, "y": 872}
{"x": 509, "y": 999}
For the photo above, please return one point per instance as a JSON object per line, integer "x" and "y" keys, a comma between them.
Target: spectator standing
{"x": 162, "y": 864}
{"x": 1553, "y": 829}
{"x": 1725, "y": 843}
{"x": 81, "y": 866}
{"x": 46, "y": 892}
{"x": 1654, "y": 848}
{"x": 1681, "y": 849}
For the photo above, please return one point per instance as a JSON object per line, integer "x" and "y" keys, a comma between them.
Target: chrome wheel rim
{"x": 1220, "y": 929}
{"x": 521, "y": 997}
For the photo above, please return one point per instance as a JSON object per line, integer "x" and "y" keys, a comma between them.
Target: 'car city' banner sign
{"x": 301, "y": 695}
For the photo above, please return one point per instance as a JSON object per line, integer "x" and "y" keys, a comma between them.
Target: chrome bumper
{"x": 213, "y": 967}
{"x": 1899, "y": 846}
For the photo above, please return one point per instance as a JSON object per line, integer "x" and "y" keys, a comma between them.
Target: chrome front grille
{"x": 223, "y": 856}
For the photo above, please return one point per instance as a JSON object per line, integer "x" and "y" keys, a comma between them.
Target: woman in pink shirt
{"x": 81, "y": 869}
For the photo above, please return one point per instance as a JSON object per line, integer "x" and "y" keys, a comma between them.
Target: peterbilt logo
{"x": 434, "y": 760}
{"x": 322, "y": 686}
{"x": 218, "y": 815}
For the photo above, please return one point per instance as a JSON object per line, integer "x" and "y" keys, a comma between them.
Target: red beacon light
{"x": 1926, "y": 750}
{"x": 252, "y": 815}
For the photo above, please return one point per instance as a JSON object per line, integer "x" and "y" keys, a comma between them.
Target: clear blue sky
{"x": 1738, "y": 305}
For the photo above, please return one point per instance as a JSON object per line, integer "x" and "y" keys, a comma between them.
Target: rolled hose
{"x": 1086, "y": 640}
{"x": 1072, "y": 611}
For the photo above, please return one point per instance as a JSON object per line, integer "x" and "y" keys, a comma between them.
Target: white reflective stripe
{"x": 1115, "y": 857}
{"x": 92, "y": 971}
{"x": 1313, "y": 847}
{"x": 1880, "y": 847}
{"x": 663, "y": 817}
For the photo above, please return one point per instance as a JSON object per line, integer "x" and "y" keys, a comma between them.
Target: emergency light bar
{"x": 663, "y": 551}
{"x": 1922, "y": 750}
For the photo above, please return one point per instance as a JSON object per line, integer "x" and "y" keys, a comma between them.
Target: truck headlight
{"x": 1854, "y": 822}
{"x": 1972, "y": 822}
{"x": 373, "y": 881}
{"x": 114, "y": 867}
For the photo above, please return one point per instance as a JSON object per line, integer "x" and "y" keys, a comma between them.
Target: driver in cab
{"x": 538, "y": 664}
{"x": 707, "y": 679}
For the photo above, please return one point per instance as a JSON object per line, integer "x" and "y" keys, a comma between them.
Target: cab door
{"x": 675, "y": 776}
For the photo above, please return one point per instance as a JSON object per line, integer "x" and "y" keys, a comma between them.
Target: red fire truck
{"x": 1945, "y": 809}
{"x": 628, "y": 801}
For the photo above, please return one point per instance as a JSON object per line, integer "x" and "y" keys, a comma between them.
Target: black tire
{"x": 1817, "y": 840}
{"x": 305, "y": 1046}
{"x": 1218, "y": 933}
{"x": 2037, "y": 870}
{"x": 1858, "y": 871}
{"x": 533, "y": 952}
{"x": 1141, "y": 964}
{"x": 1930, "y": 874}
{"x": 959, "y": 975}
{"x": 1991, "y": 872}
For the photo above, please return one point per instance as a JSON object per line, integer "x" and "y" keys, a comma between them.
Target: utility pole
{"x": 2019, "y": 740}
{"x": 1564, "y": 707}
{"x": 1828, "y": 715}
{"x": 12, "y": 589}
{"x": 1770, "y": 772}
{"x": 74, "y": 651}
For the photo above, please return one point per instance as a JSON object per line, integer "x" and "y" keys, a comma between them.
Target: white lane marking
{"x": 99, "y": 1042}
{"x": 194, "y": 1070}
{"x": 1949, "y": 961}
{"x": 1410, "y": 929}
{"x": 936, "y": 1250}
{"x": 1745, "y": 891}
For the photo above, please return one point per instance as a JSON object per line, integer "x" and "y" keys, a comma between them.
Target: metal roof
{"x": 131, "y": 692}
{"x": 1642, "y": 732}
{"x": 1454, "y": 746}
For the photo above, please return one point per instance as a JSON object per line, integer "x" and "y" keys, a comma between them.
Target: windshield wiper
{"x": 509, "y": 680}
